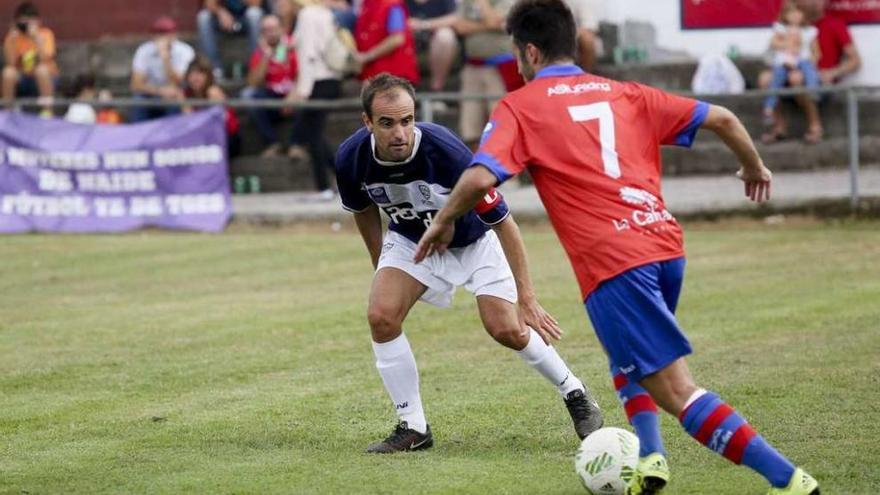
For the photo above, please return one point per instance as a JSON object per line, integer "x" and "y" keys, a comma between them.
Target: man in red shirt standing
{"x": 838, "y": 55}
{"x": 592, "y": 146}
{"x": 385, "y": 42}
{"x": 271, "y": 75}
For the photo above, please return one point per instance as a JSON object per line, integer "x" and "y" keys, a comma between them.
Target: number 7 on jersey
{"x": 601, "y": 111}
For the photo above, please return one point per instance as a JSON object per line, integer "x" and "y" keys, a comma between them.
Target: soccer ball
{"x": 606, "y": 461}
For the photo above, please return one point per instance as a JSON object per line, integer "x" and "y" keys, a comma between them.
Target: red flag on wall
{"x": 715, "y": 14}
{"x": 856, "y": 11}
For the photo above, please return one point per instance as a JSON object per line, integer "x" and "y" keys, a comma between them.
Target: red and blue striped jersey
{"x": 592, "y": 146}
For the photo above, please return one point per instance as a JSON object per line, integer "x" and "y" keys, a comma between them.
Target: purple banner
{"x": 61, "y": 177}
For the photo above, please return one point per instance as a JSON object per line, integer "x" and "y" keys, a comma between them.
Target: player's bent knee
{"x": 681, "y": 392}
{"x": 670, "y": 388}
{"x": 511, "y": 336}
{"x": 384, "y": 324}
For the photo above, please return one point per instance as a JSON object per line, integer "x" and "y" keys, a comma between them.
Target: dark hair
{"x": 201, "y": 64}
{"x": 26, "y": 9}
{"x": 380, "y": 83}
{"x": 547, "y": 24}
{"x": 83, "y": 81}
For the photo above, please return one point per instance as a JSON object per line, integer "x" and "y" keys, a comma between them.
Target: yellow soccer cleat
{"x": 652, "y": 474}
{"x": 801, "y": 484}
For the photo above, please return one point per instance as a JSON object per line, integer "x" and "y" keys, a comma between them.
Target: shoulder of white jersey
{"x": 346, "y": 154}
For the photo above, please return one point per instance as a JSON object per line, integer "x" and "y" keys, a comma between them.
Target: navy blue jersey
{"x": 412, "y": 191}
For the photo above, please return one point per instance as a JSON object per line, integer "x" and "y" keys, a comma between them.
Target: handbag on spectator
{"x": 339, "y": 52}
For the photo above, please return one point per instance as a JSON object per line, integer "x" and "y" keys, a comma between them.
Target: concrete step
{"x": 705, "y": 158}
{"x": 790, "y": 156}
{"x": 342, "y": 123}
{"x": 833, "y": 111}
{"x": 275, "y": 174}
{"x": 673, "y": 76}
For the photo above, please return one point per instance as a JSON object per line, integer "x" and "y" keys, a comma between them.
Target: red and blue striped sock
{"x": 642, "y": 414}
{"x": 716, "y": 425}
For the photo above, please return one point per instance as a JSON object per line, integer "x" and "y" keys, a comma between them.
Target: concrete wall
{"x": 665, "y": 16}
{"x": 91, "y": 19}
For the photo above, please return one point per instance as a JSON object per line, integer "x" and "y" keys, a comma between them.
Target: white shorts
{"x": 481, "y": 268}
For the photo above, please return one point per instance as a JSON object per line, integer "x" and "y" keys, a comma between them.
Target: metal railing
{"x": 425, "y": 102}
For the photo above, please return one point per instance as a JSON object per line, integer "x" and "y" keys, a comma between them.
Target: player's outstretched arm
{"x": 530, "y": 310}
{"x": 369, "y": 224}
{"x": 473, "y": 184}
{"x": 752, "y": 171}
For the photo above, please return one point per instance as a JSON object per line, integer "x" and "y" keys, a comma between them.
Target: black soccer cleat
{"x": 584, "y": 411}
{"x": 403, "y": 439}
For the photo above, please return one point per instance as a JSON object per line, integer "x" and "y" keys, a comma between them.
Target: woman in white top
{"x": 315, "y": 30}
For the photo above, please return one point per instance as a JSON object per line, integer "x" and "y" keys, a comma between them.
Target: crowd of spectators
{"x": 294, "y": 56}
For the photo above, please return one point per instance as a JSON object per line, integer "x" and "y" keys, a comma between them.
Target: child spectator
{"x": 794, "y": 48}
{"x": 29, "y": 52}
{"x": 229, "y": 16}
{"x": 199, "y": 84}
{"x": 82, "y": 112}
{"x": 107, "y": 114}
{"x": 158, "y": 68}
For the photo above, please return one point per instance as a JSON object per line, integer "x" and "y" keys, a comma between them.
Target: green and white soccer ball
{"x": 606, "y": 461}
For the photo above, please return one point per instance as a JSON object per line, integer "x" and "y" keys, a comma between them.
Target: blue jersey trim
{"x": 499, "y": 59}
{"x": 494, "y": 166}
{"x": 688, "y": 134}
{"x": 559, "y": 70}
{"x": 485, "y": 218}
{"x": 396, "y": 20}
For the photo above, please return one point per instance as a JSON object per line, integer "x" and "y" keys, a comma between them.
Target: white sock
{"x": 693, "y": 398}
{"x": 546, "y": 361}
{"x": 397, "y": 367}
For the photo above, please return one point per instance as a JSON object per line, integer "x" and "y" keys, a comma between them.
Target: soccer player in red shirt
{"x": 592, "y": 146}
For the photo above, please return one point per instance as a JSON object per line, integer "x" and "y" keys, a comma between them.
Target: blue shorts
{"x": 633, "y": 315}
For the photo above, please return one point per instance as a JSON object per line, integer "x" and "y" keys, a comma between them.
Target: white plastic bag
{"x": 716, "y": 74}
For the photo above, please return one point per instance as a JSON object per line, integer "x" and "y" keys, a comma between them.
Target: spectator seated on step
{"x": 232, "y": 17}
{"x": 490, "y": 67}
{"x": 85, "y": 92}
{"x": 272, "y": 75}
{"x": 157, "y": 70}
{"x": 29, "y": 52}
{"x": 198, "y": 83}
{"x": 431, "y": 22}
{"x": 838, "y": 58}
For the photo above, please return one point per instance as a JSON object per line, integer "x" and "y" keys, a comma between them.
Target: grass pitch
{"x": 240, "y": 363}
